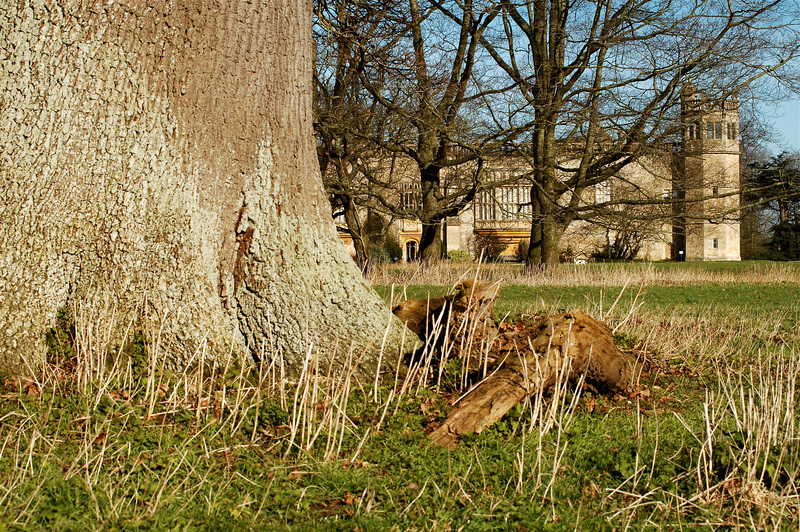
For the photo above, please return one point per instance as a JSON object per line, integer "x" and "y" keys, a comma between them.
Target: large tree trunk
{"x": 157, "y": 164}
{"x": 552, "y": 231}
{"x": 546, "y": 230}
{"x": 430, "y": 243}
{"x": 534, "y": 257}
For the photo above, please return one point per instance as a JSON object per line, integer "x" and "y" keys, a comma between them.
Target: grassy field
{"x": 597, "y": 274}
{"x": 707, "y": 438}
{"x": 516, "y": 299}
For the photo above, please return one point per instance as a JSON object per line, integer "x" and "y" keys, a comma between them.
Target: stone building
{"x": 703, "y": 169}
{"x": 708, "y": 227}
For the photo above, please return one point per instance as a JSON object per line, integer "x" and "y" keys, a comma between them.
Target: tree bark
{"x": 357, "y": 233}
{"x": 552, "y": 231}
{"x": 534, "y": 258}
{"x": 157, "y": 165}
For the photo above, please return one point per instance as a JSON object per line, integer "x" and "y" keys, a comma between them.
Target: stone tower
{"x": 706, "y": 226}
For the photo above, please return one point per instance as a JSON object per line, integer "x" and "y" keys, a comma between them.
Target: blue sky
{"x": 786, "y": 118}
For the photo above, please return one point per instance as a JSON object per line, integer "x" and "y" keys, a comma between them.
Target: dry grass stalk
{"x": 445, "y": 273}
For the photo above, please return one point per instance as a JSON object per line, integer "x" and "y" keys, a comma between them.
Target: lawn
{"x": 707, "y": 438}
{"x": 736, "y": 298}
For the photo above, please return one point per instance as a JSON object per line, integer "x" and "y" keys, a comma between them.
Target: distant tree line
{"x": 771, "y": 218}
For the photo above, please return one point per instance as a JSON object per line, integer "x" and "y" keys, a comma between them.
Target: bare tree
{"x": 420, "y": 74}
{"x": 598, "y": 85}
{"x": 346, "y": 116}
{"x": 158, "y": 167}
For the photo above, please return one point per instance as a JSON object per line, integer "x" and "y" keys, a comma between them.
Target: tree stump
{"x": 532, "y": 359}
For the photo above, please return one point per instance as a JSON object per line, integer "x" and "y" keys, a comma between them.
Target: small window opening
{"x": 409, "y": 196}
{"x": 602, "y": 192}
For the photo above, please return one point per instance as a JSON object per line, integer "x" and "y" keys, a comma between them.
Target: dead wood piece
{"x": 458, "y": 321}
{"x": 533, "y": 357}
{"x": 471, "y": 331}
{"x": 591, "y": 349}
{"x": 474, "y": 293}
{"x": 488, "y": 403}
{"x": 415, "y": 312}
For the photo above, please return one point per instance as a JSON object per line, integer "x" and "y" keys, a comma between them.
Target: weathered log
{"x": 470, "y": 331}
{"x": 415, "y": 312}
{"x": 533, "y": 356}
{"x": 457, "y": 323}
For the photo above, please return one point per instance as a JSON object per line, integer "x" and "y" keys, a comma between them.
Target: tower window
{"x": 693, "y": 131}
{"x": 714, "y": 130}
{"x": 714, "y": 190}
{"x": 731, "y": 131}
{"x": 715, "y": 243}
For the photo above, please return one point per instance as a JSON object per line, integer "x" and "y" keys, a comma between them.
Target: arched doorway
{"x": 411, "y": 251}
